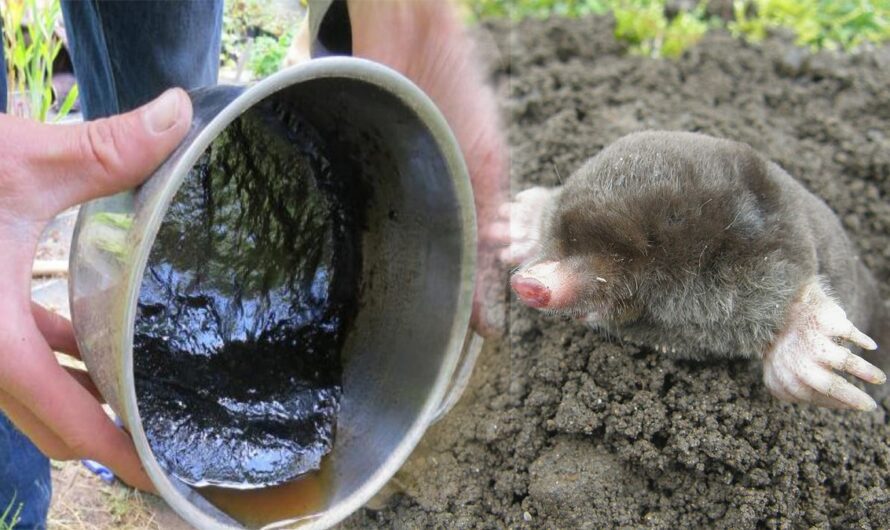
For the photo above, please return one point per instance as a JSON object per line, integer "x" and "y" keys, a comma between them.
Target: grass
{"x": 818, "y": 24}
{"x": 650, "y": 29}
{"x": 647, "y": 29}
{"x": 31, "y": 45}
{"x": 10, "y": 516}
{"x": 82, "y": 502}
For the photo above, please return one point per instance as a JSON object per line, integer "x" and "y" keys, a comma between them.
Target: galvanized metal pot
{"x": 405, "y": 346}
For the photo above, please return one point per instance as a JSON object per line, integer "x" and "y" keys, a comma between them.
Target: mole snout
{"x": 532, "y": 292}
{"x": 545, "y": 285}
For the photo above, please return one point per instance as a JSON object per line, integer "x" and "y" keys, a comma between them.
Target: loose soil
{"x": 563, "y": 428}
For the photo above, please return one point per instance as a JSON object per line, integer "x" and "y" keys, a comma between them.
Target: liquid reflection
{"x": 243, "y": 308}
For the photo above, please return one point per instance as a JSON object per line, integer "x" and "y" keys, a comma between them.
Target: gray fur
{"x": 702, "y": 244}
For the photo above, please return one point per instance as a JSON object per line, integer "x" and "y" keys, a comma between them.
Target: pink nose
{"x": 532, "y": 292}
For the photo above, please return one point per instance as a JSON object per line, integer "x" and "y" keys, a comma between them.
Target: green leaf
{"x": 116, "y": 220}
{"x": 9, "y": 518}
{"x": 65, "y": 108}
{"x": 29, "y": 69}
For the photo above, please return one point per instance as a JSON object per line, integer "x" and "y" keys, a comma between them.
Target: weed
{"x": 830, "y": 24}
{"x": 645, "y": 26}
{"x": 268, "y": 52}
{"x": 9, "y": 518}
{"x": 519, "y": 9}
{"x": 256, "y": 35}
{"x": 31, "y": 45}
{"x": 642, "y": 24}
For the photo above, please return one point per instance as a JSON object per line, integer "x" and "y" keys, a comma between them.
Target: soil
{"x": 561, "y": 428}
{"x": 239, "y": 274}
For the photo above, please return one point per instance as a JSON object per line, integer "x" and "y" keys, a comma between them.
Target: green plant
{"x": 9, "y": 518}
{"x": 257, "y": 34}
{"x": 644, "y": 25}
{"x": 518, "y": 9}
{"x": 831, "y": 24}
{"x": 31, "y": 45}
{"x": 268, "y": 52}
{"x": 108, "y": 231}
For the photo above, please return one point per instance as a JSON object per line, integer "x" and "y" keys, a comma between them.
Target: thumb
{"x": 76, "y": 163}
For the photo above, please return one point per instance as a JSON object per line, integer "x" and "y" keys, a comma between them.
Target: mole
{"x": 247, "y": 296}
{"x": 699, "y": 247}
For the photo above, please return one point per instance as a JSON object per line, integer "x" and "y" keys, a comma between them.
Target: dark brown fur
{"x": 702, "y": 244}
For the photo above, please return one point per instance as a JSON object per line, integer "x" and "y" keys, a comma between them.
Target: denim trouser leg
{"x": 24, "y": 478}
{"x": 127, "y": 53}
{"x": 124, "y": 54}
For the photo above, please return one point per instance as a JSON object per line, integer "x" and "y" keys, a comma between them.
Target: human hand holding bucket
{"x": 416, "y": 281}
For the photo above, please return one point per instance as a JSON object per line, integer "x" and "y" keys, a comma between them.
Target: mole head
{"x": 635, "y": 226}
{"x": 584, "y": 262}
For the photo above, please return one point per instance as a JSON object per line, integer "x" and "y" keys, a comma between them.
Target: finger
{"x": 842, "y": 359}
{"x": 488, "y": 314}
{"x": 776, "y": 387}
{"x": 781, "y": 394}
{"x": 79, "y": 420}
{"x": 58, "y": 401}
{"x": 821, "y": 400}
{"x": 518, "y": 252}
{"x": 834, "y": 386}
{"x": 858, "y": 338}
{"x": 786, "y": 380}
{"x": 833, "y": 321}
{"x": 532, "y": 194}
{"x": 56, "y": 329}
{"x": 520, "y": 228}
{"x": 83, "y": 379}
{"x": 102, "y": 157}
{"x": 40, "y": 435}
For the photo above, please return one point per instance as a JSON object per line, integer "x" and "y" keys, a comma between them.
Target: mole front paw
{"x": 523, "y": 220}
{"x": 800, "y": 366}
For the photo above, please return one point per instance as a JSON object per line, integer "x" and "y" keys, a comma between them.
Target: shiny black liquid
{"x": 244, "y": 305}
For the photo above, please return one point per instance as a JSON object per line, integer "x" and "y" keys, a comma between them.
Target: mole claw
{"x": 800, "y": 364}
{"x": 861, "y": 339}
{"x": 526, "y": 219}
{"x": 841, "y": 390}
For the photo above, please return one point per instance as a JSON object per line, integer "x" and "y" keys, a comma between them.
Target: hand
{"x": 45, "y": 169}
{"x": 801, "y": 365}
{"x": 425, "y": 41}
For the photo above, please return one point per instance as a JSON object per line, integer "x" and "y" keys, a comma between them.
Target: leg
{"x": 800, "y": 365}
{"x": 24, "y": 478}
{"x": 127, "y": 53}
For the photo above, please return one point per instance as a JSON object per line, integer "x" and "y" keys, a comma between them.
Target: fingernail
{"x": 163, "y": 113}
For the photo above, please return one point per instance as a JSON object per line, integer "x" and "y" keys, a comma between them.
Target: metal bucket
{"x": 412, "y": 327}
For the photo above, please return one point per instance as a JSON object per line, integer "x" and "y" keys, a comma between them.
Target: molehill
{"x": 561, "y": 428}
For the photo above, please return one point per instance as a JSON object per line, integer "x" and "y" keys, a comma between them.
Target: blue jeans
{"x": 25, "y": 484}
{"x": 124, "y": 54}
